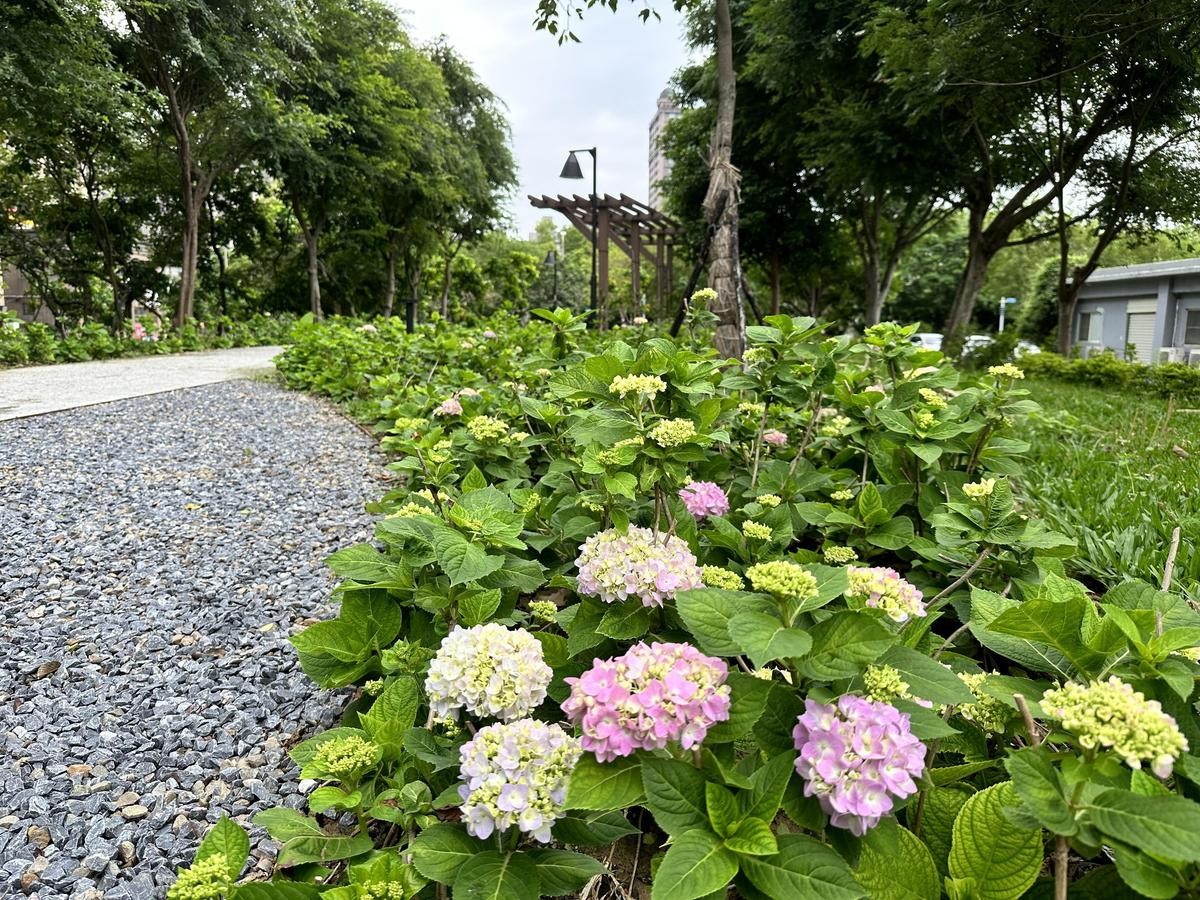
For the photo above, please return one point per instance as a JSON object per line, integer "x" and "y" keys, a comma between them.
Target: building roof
{"x": 1164, "y": 269}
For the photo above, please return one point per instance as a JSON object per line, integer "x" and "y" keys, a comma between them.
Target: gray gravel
{"x": 155, "y": 554}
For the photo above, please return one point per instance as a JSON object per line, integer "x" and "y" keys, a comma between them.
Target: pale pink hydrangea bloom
{"x": 654, "y": 695}
{"x": 703, "y": 498}
{"x": 857, "y": 758}
{"x": 489, "y": 334}
{"x": 637, "y": 563}
{"x": 775, "y": 438}
{"x": 883, "y": 588}
{"x": 451, "y": 406}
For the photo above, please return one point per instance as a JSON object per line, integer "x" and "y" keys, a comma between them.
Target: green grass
{"x": 1118, "y": 472}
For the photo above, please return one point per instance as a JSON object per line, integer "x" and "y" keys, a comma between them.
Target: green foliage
{"x": 892, "y": 455}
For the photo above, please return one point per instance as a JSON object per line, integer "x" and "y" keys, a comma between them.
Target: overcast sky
{"x": 600, "y": 92}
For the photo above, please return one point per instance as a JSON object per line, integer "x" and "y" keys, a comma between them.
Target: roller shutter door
{"x": 1139, "y": 331}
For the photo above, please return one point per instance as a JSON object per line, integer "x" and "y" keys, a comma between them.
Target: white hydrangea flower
{"x": 490, "y": 671}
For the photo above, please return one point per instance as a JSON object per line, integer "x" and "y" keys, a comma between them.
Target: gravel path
{"x": 155, "y": 554}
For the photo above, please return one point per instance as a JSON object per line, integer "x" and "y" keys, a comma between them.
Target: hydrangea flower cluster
{"x": 344, "y": 758}
{"x": 451, "y": 406}
{"x": 543, "y": 610}
{"x": 487, "y": 430}
{"x": 835, "y": 425}
{"x": 842, "y": 495}
{"x": 932, "y": 397}
{"x": 704, "y": 498}
{"x": 488, "y": 670}
{"x": 615, "y": 566}
{"x": 516, "y": 773}
{"x": 640, "y": 320}
{"x": 924, "y": 419}
{"x": 978, "y": 490}
{"x": 1008, "y": 370}
{"x": 207, "y": 879}
{"x": 756, "y": 530}
{"x": 770, "y": 501}
{"x": 642, "y": 385}
{"x": 988, "y": 712}
{"x": 409, "y": 423}
{"x": 857, "y": 758}
{"x": 613, "y": 455}
{"x": 669, "y": 433}
{"x": 653, "y": 695}
{"x": 883, "y": 684}
{"x": 1112, "y": 714}
{"x": 839, "y": 556}
{"x": 783, "y": 579}
{"x": 752, "y": 409}
{"x": 775, "y": 438}
{"x": 716, "y": 577}
{"x": 881, "y": 588}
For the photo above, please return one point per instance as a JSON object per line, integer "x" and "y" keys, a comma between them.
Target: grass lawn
{"x": 1118, "y": 472}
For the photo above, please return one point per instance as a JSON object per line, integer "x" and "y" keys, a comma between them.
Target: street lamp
{"x": 571, "y": 169}
{"x": 552, "y": 260}
{"x": 1005, "y": 302}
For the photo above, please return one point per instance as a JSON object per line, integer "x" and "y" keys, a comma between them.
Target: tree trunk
{"x": 721, "y": 202}
{"x": 1068, "y": 301}
{"x": 190, "y": 240}
{"x": 389, "y": 295}
{"x": 776, "y": 294}
{"x": 446, "y": 287}
{"x": 311, "y": 236}
{"x": 980, "y": 251}
{"x": 872, "y": 298}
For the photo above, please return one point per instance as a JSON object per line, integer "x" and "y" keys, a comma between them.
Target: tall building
{"x": 660, "y": 165}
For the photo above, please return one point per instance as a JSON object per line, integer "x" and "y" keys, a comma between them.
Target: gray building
{"x": 1154, "y": 308}
{"x": 659, "y": 162}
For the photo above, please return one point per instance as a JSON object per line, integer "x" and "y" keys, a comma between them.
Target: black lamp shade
{"x": 550, "y": 259}
{"x": 571, "y": 168}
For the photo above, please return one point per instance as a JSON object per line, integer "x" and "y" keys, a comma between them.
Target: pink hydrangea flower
{"x": 451, "y": 406}
{"x": 615, "y": 566}
{"x": 883, "y": 588}
{"x": 654, "y": 695}
{"x": 775, "y": 438}
{"x": 139, "y": 331}
{"x": 703, "y": 498}
{"x": 857, "y": 758}
{"x": 489, "y": 334}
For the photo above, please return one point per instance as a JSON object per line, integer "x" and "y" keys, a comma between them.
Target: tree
{"x": 482, "y": 165}
{"x": 1017, "y": 127}
{"x": 722, "y": 197}
{"x": 213, "y": 70}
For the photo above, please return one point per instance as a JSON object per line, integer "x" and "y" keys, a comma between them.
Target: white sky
{"x": 600, "y": 92}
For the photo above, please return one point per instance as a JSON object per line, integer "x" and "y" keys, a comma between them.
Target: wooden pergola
{"x": 640, "y": 231}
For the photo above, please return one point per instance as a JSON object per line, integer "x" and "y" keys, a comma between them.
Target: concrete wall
{"x": 1112, "y": 323}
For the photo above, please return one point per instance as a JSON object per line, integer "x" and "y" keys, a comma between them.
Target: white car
{"x": 928, "y": 340}
{"x": 979, "y": 341}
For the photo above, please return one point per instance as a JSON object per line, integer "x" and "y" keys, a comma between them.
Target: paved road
{"x": 35, "y": 390}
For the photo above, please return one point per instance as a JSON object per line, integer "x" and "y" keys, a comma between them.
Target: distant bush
{"x": 1106, "y": 370}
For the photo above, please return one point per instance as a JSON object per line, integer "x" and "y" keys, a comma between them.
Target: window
{"x": 1191, "y": 327}
{"x": 1085, "y": 326}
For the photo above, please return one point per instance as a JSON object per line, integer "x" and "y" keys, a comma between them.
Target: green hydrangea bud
{"x": 839, "y": 555}
{"x": 756, "y": 530}
{"x": 989, "y": 713}
{"x": 715, "y": 576}
{"x": 207, "y": 879}
{"x": 883, "y": 684}
{"x": 487, "y": 430}
{"x": 543, "y": 610}
{"x": 783, "y": 579}
{"x": 345, "y": 758}
{"x": 768, "y": 500}
{"x": 642, "y": 385}
{"x": 672, "y": 432}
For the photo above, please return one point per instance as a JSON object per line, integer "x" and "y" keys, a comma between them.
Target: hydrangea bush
{"x": 773, "y": 628}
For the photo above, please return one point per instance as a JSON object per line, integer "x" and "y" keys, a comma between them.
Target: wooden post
{"x": 658, "y": 273}
{"x": 635, "y": 269}
{"x": 602, "y": 277}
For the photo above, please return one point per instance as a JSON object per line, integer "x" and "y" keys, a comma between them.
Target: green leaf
{"x": 392, "y": 714}
{"x": 303, "y": 840}
{"x": 893, "y": 535}
{"x": 626, "y": 621}
{"x": 1053, "y": 624}
{"x": 803, "y": 869}
{"x": 937, "y": 821}
{"x": 363, "y": 562}
{"x": 764, "y": 638}
{"x": 564, "y": 871}
{"x": 474, "y": 480}
{"x": 278, "y": 890}
{"x": 1147, "y": 876}
{"x": 592, "y": 829}
{"x": 845, "y": 643}
{"x": 595, "y": 785}
{"x": 696, "y": 865}
{"x": 706, "y": 613}
{"x": 497, "y": 876}
{"x": 895, "y": 865}
{"x": 870, "y": 506}
{"x": 674, "y": 794}
{"x": 753, "y": 837}
{"x": 927, "y": 678}
{"x": 747, "y": 699}
{"x": 477, "y": 607}
{"x": 229, "y": 838}
{"x": 462, "y": 560}
{"x": 984, "y": 608}
{"x": 769, "y": 782}
{"x": 722, "y": 806}
{"x": 1003, "y": 859}
{"x": 1039, "y": 786}
{"x": 1164, "y": 826}
{"x": 581, "y": 633}
{"x": 439, "y": 851}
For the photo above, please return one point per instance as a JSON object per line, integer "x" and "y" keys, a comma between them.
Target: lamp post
{"x": 1005, "y": 302}
{"x": 571, "y": 169}
{"x": 552, "y": 260}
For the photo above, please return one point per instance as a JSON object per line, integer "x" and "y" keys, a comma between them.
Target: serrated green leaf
{"x": 706, "y": 613}
{"x": 722, "y": 806}
{"x": 843, "y": 646}
{"x": 1164, "y": 826}
{"x": 753, "y": 837}
{"x": 564, "y": 871}
{"x": 592, "y": 829}
{"x": 226, "y": 838}
{"x": 439, "y": 851}
{"x": 596, "y": 785}
{"x": 497, "y": 876}
{"x": 895, "y": 865}
{"x": 803, "y": 869}
{"x": 764, "y": 638}
{"x": 1039, "y": 786}
{"x": 302, "y": 840}
{"x": 674, "y": 794}
{"x": 392, "y": 714}
{"x": 927, "y": 678}
{"x": 1003, "y": 859}
{"x": 696, "y": 864}
{"x": 937, "y": 821}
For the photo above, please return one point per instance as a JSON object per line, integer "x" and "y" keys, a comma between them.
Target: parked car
{"x": 929, "y": 340}
{"x": 977, "y": 342}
